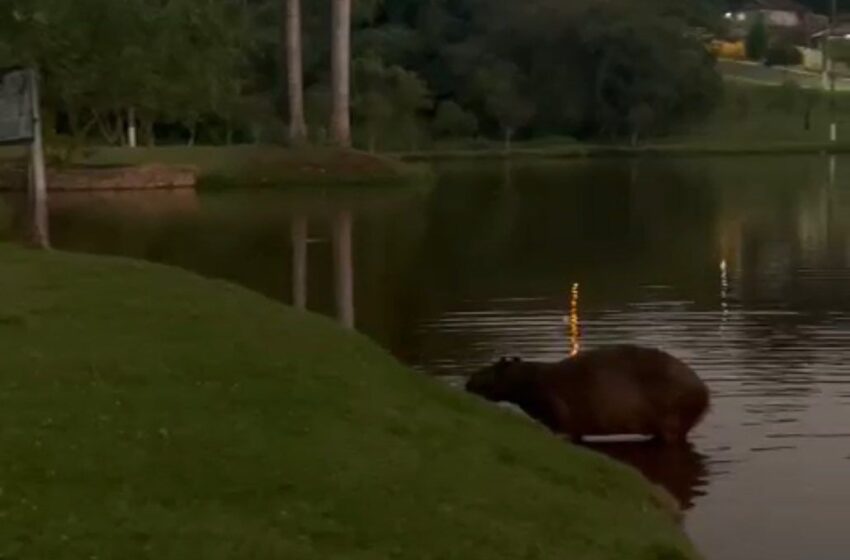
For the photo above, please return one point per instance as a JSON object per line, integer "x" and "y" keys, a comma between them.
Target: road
{"x": 766, "y": 75}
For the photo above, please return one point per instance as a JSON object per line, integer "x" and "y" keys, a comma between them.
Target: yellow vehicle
{"x": 729, "y": 50}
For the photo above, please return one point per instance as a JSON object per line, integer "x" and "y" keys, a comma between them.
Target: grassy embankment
{"x": 752, "y": 119}
{"x": 260, "y": 165}
{"x": 149, "y": 413}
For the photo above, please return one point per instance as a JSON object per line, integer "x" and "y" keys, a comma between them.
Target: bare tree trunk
{"x": 295, "y": 73}
{"x": 509, "y": 134}
{"x": 193, "y": 132}
{"x": 131, "y": 127}
{"x": 149, "y": 132}
{"x": 340, "y": 73}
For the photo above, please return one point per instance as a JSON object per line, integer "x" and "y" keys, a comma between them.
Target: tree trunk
{"x": 295, "y": 73}
{"x": 509, "y": 134}
{"x": 340, "y": 126}
{"x": 193, "y": 131}
{"x": 131, "y": 127}
{"x": 149, "y": 133}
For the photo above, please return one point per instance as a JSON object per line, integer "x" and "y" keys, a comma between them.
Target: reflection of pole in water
{"x": 575, "y": 330}
{"x": 344, "y": 268}
{"x": 832, "y": 170}
{"x": 724, "y": 290}
{"x": 299, "y": 263}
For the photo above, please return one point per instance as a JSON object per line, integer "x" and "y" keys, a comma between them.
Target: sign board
{"x": 16, "y": 107}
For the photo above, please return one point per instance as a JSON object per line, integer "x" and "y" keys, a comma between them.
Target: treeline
{"x": 215, "y": 71}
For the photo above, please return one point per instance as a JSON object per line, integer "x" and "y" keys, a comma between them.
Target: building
{"x": 784, "y": 19}
{"x": 839, "y": 43}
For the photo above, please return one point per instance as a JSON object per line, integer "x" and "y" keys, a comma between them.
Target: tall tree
{"x": 340, "y": 125}
{"x": 295, "y": 72}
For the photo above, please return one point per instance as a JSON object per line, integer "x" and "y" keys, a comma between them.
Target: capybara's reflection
{"x": 680, "y": 469}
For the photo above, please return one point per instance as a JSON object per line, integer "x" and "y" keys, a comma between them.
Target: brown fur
{"x": 613, "y": 390}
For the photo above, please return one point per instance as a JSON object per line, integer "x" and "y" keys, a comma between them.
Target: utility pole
{"x": 38, "y": 179}
{"x": 833, "y": 20}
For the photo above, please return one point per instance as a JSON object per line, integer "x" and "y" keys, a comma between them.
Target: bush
{"x": 783, "y": 54}
{"x": 757, "y": 41}
{"x": 452, "y": 121}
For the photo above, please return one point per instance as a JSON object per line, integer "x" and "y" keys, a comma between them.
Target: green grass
{"x": 149, "y": 413}
{"x": 257, "y": 166}
{"x": 269, "y": 165}
{"x": 691, "y": 146}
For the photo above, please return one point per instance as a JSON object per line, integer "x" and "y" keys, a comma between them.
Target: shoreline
{"x": 221, "y": 412}
{"x": 654, "y": 150}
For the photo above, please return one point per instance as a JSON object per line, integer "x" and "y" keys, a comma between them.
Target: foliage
{"x": 387, "y": 97}
{"x": 757, "y": 40}
{"x": 783, "y": 53}
{"x": 211, "y": 70}
{"x": 453, "y": 121}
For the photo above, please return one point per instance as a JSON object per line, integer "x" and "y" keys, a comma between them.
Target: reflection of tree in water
{"x": 681, "y": 470}
{"x": 792, "y": 236}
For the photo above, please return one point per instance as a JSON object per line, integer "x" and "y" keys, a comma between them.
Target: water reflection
{"x": 573, "y": 320}
{"x": 739, "y": 266}
{"x": 344, "y": 268}
{"x": 681, "y": 470}
{"x": 299, "y": 262}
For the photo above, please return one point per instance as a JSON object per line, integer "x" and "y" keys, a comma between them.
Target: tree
{"x": 452, "y": 121}
{"x": 340, "y": 125}
{"x": 498, "y": 86}
{"x": 295, "y": 72}
{"x": 757, "y": 40}
{"x": 388, "y": 98}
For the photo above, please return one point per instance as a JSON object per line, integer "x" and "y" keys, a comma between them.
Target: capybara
{"x": 614, "y": 390}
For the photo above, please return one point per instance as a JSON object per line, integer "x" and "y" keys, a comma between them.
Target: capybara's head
{"x": 494, "y": 382}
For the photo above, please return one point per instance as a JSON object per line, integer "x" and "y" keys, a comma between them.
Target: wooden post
{"x": 38, "y": 177}
{"x": 344, "y": 268}
{"x": 299, "y": 263}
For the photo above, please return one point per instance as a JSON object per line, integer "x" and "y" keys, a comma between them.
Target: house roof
{"x": 779, "y": 5}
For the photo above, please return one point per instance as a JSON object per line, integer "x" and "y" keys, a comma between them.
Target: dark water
{"x": 739, "y": 266}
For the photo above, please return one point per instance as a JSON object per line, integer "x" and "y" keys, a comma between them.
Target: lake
{"x": 740, "y": 266}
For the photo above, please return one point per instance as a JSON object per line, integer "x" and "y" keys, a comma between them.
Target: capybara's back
{"x": 613, "y": 390}
{"x": 629, "y": 390}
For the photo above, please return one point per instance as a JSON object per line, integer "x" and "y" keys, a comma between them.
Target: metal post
{"x": 38, "y": 175}
{"x": 833, "y": 127}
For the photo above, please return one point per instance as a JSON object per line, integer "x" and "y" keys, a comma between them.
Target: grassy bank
{"x": 148, "y": 413}
{"x": 262, "y": 165}
{"x": 690, "y": 147}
